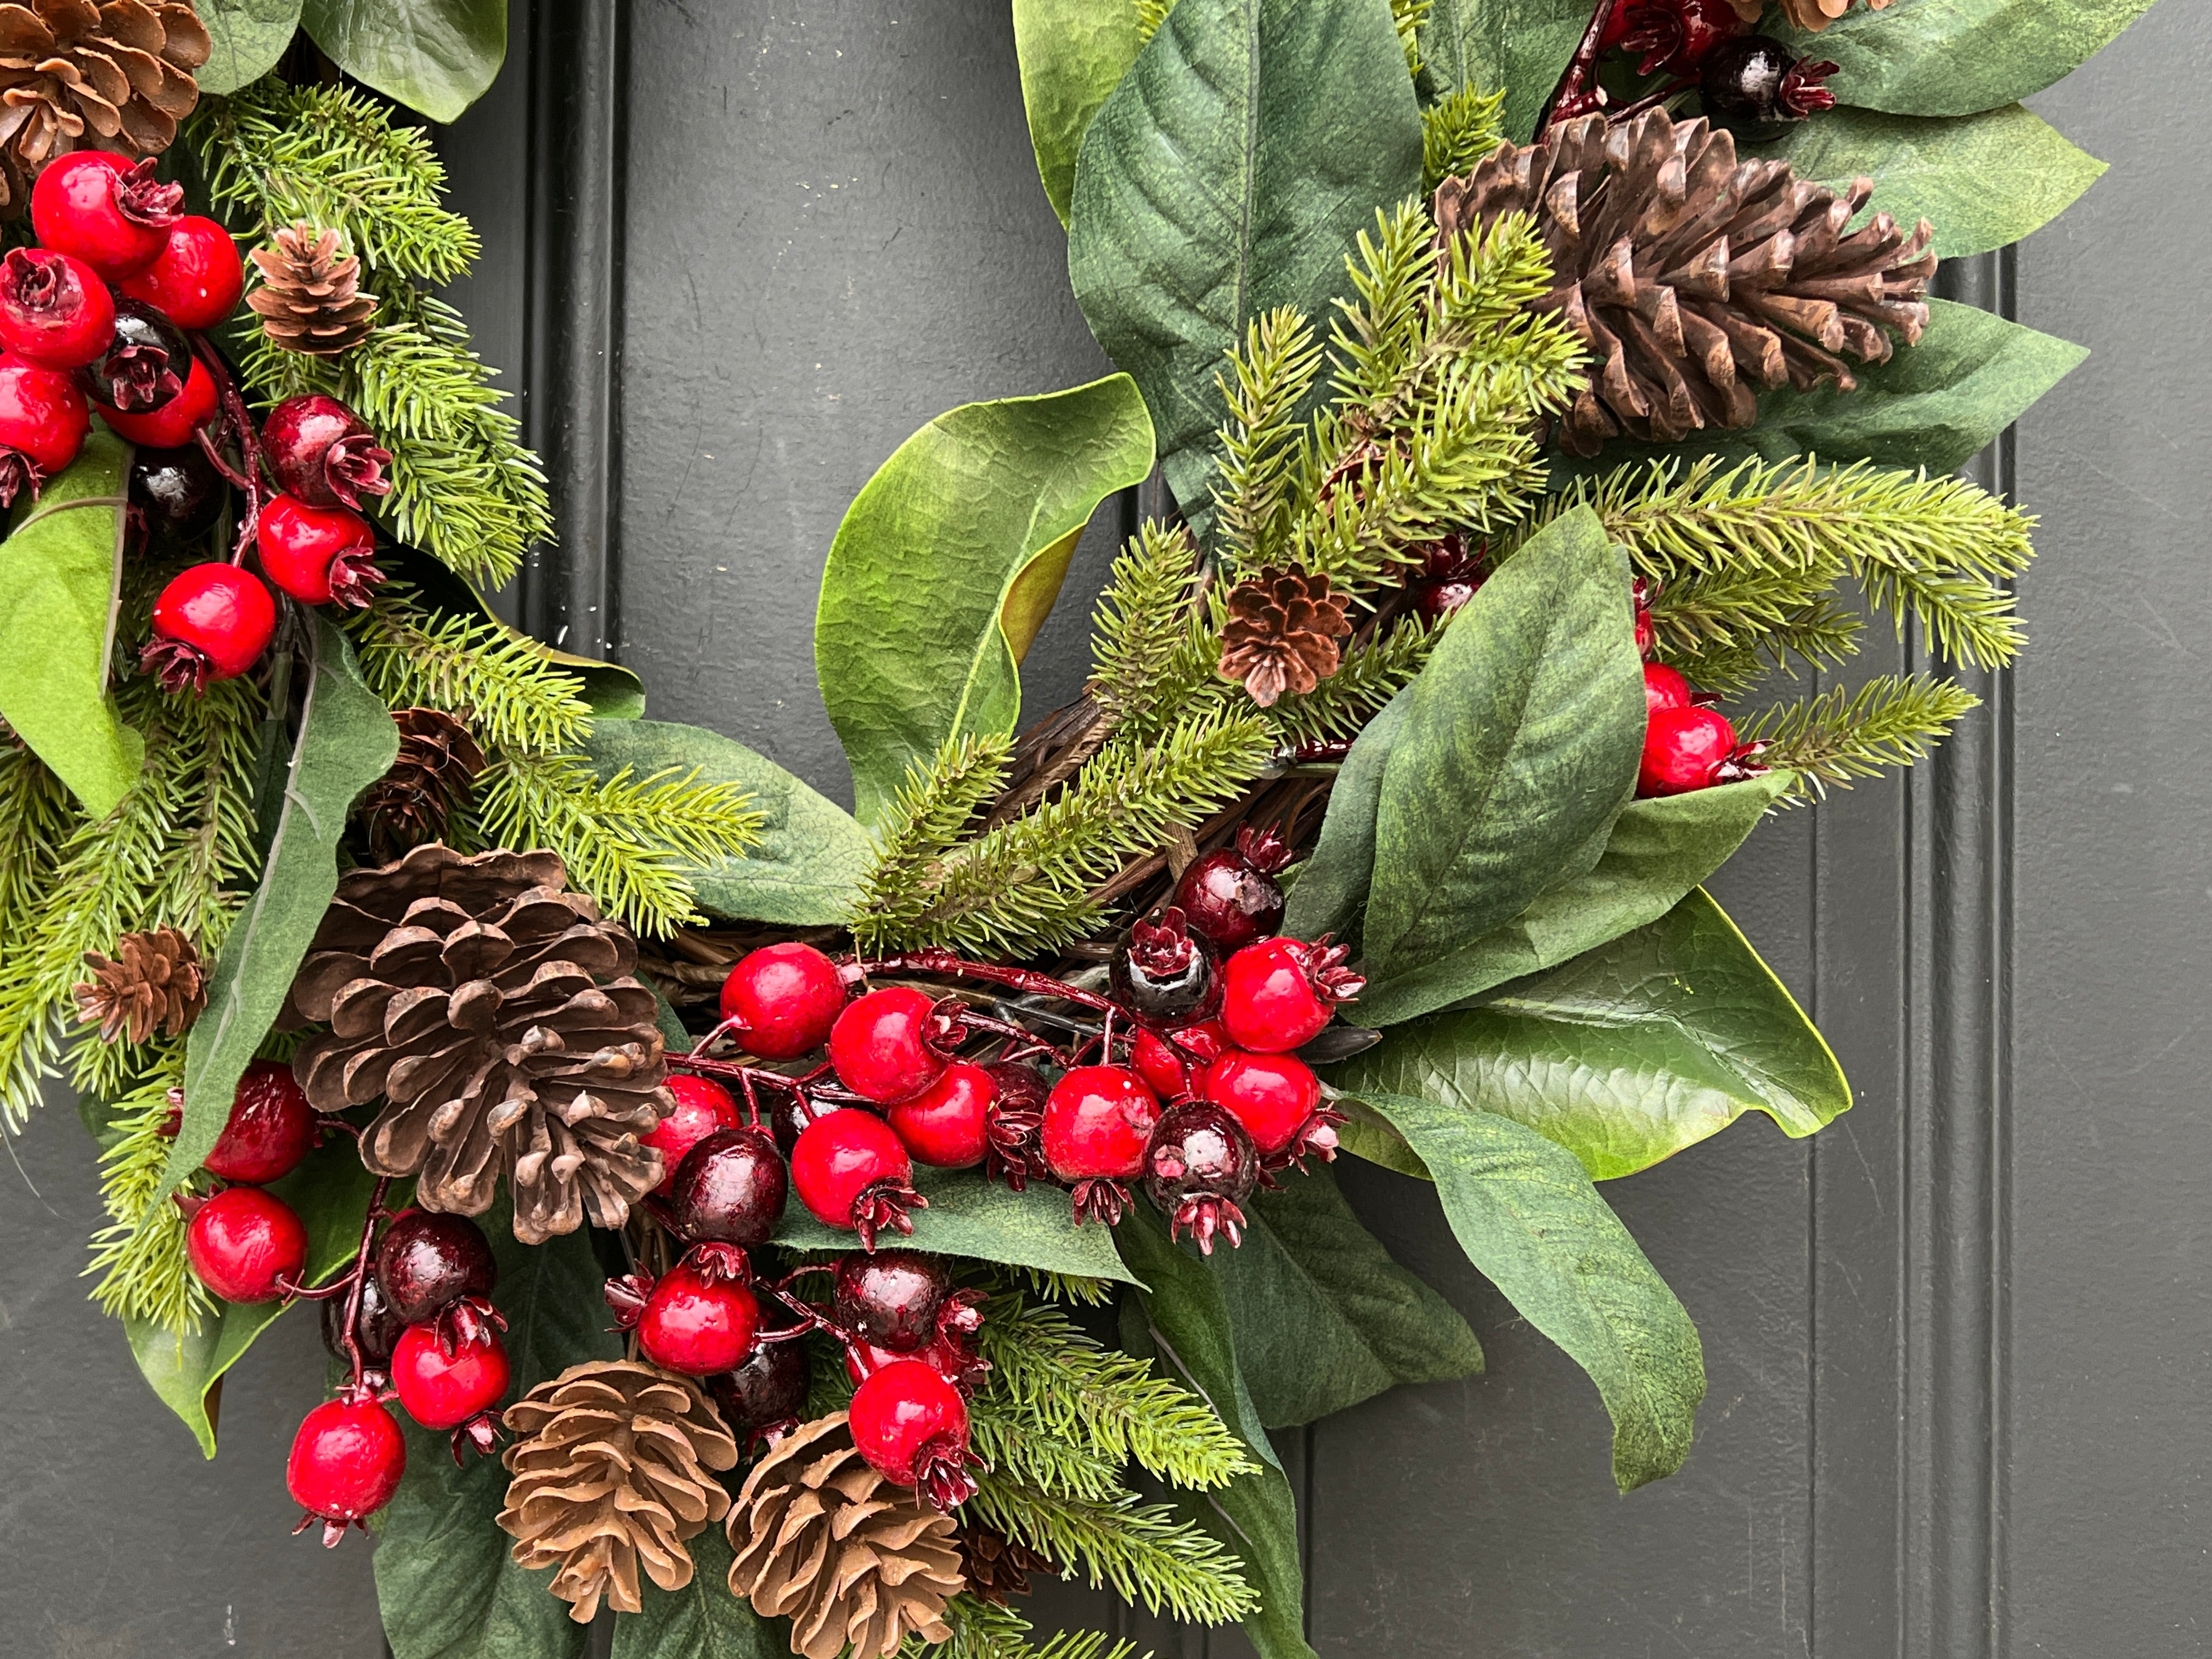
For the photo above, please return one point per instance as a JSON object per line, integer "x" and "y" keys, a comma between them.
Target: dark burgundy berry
{"x": 789, "y": 1115}
{"x": 1200, "y": 1167}
{"x": 318, "y": 554}
{"x": 767, "y": 1389}
{"x": 195, "y": 279}
{"x": 1684, "y": 748}
{"x": 891, "y": 1044}
{"x": 346, "y": 1462}
{"x": 1753, "y": 83}
{"x": 1230, "y": 896}
{"x": 702, "y": 1107}
{"x": 852, "y": 1171}
{"x": 113, "y": 213}
{"x": 1451, "y": 572}
{"x": 1015, "y": 1125}
{"x": 1673, "y": 35}
{"x": 1165, "y": 975}
{"x": 377, "y": 1332}
{"x": 891, "y": 1298}
{"x": 146, "y": 365}
{"x": 1275, "y": 1097}
{"x": 323, "y": 454}
{"x": 1278, "y": 994}
{"x": 178, "y": 493}
{"x": 911, "y": 1426}
{"x": 700, "y": 1316}
{"x": 271, "y": 1127}
{"x": 443, "y": 1385}
{"x": 55, "y": 312}
{"x": 948, "y": 1125}
{"x": 782, "y": 999}
{"x": 1095, "y": 1124}
{"x": 43, "y": 423}
{"x": 731, "y": 1187}
{"x": 1666, "y": 687}
{"x": 243, "y": 1241}
{"x": 428, "y": 1260}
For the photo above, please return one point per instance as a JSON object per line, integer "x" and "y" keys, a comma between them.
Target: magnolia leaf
{"x": 1072, "y": 53}
{"x": 436, "y": 57}
{"x": 1228, "y": 173}
{"x": 1331, "y": 890}
{"x": 59, "y": 572}
{"x": 246, "y": 38}
{"x": 913, "y": 640}
{"x": 1959, "y": 56}
{"x": 1531, "y": 1222}
{"x": 703, "y": 1621}
{"x": 812, "y": 857}
{"x": 1520, "y": 47}
{"x": 972, "y": 1217}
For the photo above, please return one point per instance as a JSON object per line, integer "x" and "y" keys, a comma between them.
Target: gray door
{"x": 1957, "y": 1344}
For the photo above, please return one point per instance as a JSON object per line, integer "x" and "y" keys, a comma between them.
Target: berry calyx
{"x": 211, "y": 622}
{"x": 176, "y": 493}
{"x": 319, "y": 554}
{"x": 55, "y": 312}
{"x": 112, "y": 213}
{"x": 243, "y": 1241}
{"x": 1198, "y": 1167}
{"x": 1096, "y": 1123}
{"x": 947, "y": 1125}
{"x": 783, "y": 999}
{"x": 1666, "y": 687}
{"x": 270, "y": 1129}
{"x": 949, "y": 1355}
{"x": 1230, "y": 896}
{"x": 172, "y": 425}
{"x": 730, "y": 1189}
{"x": 1684, "y": 748}
{"x": 767, "y": 1392}
{"x": 323, "y": 454}
{"x": 1673, "y": 35}
{"x": 43, "y": 423}
{"x": 1163, "y": 974}
{"x": 899, "y": 1299}
{"x": 443, "y": 1384}
{"x": 196, "y": 277}
{"x": 346, "y": 1461}
{"x": 1275, "y": 1097}
{"x": 146, "y": 364}
{"x": 701, "y": 1107}
{"x": 1280, "y": 994}
{"x": 891, "y": 1044}
{"x": 911, "y": 1426}
{"x": 853, "y": 1172}
{"x": 1753, "y": 83}
{"x": 427, "y": 1262}
{"x": 701, "y": 1317}
{"x": 1015, "y": 1124}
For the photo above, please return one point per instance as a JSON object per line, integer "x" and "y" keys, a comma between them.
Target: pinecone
{"x": 410, "y": 803}
{"x": 997, "y": 1567}
{"x": 495, "y": 1013}
{"x": 851, "y": 1557}
{"x": 1692, "y": 276}
{"x": 613, "y": 1472}
{"x": 309, "y": 296}
{"x": 72, "y": 71}
{"x": 154, "y": 982}
{"x": 1281, "y": 634}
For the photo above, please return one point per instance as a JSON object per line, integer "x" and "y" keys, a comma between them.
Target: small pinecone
{"x": 613, "y": 1470}
{"x": 495, "y": 1013}
{"x": 154, "y": 982}
{"x": 851, "y": 1557}
{"x": 72, "y": 72}
{"x": 430, "y": 782}
{"x": 1281, "y": 634}
{"x": 310, "y": 297}
{"x": 1693, "y": 276}
{"x": 997, "y": 1567}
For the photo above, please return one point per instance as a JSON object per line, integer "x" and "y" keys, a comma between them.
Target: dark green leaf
{"x": 1983, "y": 181}
{"x": 972, "y": 1217}
{"x": 812, "y": 856}
{"x": 1367, "y": 1134}
{"x": 1332, "y": 885}
{"x": 1519, "y": 749}
{"x": 1520, "y": 45}
{"x": 246, "y": 38}
{"x": 1072, "y": 53}
{"x": 947, "y": 561}
{"x": 1627, "y": 1055}
{"x": 1228, "y": 174}
{"x": 1530, "y": 1221}
{"x": 703, "y": 1621}
{"x": 1956, "y": 57}
{"x": 346, "y": 742}
{"x": 58, "y": 572}
{"x": 1323, "y": 1317}
{"x": 436, "y": 57}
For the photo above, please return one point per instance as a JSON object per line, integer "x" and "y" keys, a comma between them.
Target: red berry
{"x": 172, "y": 425}
{"x": 427, "y": 1262}
{"x": 1647, "y": 634}
{"x": 1682, "y": 749}
{"x": 1097, "y": 1122}
{"x": 1161, "y": 1066}
{"x": 730, "y": 1187}
{"x": 346, "y": 1462}
{"x": 1278, "y": 994}
{"x": 195, "y": 279}
{"x": 110, "y": 212}
{"x": 1665, "y": 688}
{"x": 55, "y": 312}
{"x": 242, "y": 1241}
{"x": 1674, "y": 35}
{"x": 703, "y": 1106}
{"x": 783, "y": 998}
{"x": 442, "y": 1389}
{"x": 853, "y": 1171}
{"x": 323, "y": 454}
{"x": 947, "y": 1125}
{"x": 1200, "y": 1167}
{"x": 1230, "y": 895}
{"x": 891, "y": 1044}
{"x": 43, "y": 422}
{"x": 211, "y": 622}
{"x": 1273, "y": 1096}
{"x": 701, "y": 1317}
{"x": 911, "y": 1426}
{"x": 270, "y": 1130}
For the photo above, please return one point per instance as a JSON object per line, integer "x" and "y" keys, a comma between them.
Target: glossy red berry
{"x": 947, "y": 1125}
{"x": 783, "y": 999}
{"x": 271, "y": 1127}
{"x": 853, "y": 1171}
{"x": 891, "y": 1298}
{"x": 172, "y": 425}
{"x": 1647, "y": 633}
{"x": 323, "y": 454}
{"x": 1230, "y": 895}
{"x": 43, "y": 423}
{"x": 1273, "y": 1096}
{"x": 1161, "y": 1065}
{"x": 443, "y": 1387}
{"x": 146, "y": 365}
{"x": 319, "y": 554}
{"x": 1200, "y": 1167}
{"x": 767, "y": 1388}
{"x": 1666, "y": 687}
{"x": 730, "y": 1189}
{"x": 911, "y": 1426}
{"x": 112, "y": 213}
{"x": 196, "y": 277}
{"x": 1280, "y": 993}
{"x": 55, "y": 312}
{"x": 1164, "y": 974}
{"x": 427, "y": 1262}
{"x": 948, "y": 1354}
{"x": 242, "y": 1241}
{"x": 211, "y": 622}
{"x": 1095, "y": 1124}
{"x": 891, "y": 1044}
{"x": 701, "y": 1317}
{"x": 1683, "y": 749}
{"x": 702, "y": 1107}
{"x": 346, "y": 1462}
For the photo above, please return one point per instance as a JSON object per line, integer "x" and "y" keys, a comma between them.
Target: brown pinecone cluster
{"x": 430, "y": 780}
{"x": 1694, "y": 278}
{"x": 1281, "y": 634}
{"x": 309, "y": 296}
{"x": 73, "y": 72}
{"x": 998, "y": 1568}
{"x": 495, "y": 1013}
{"x": 154, "y": 982}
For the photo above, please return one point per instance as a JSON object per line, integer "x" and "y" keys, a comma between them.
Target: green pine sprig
{"x": 1844, "y": 734}
{"x": 1371, "y": 672}
{"x": 1152, "y": 634}
{"x": 1266, "y": 392}
{"x": 981, "y": 1630}
{"x": 511, "y": 695}
{"x": 139, "y": 1254}
{"x": 1141, "y": 1550}
{"x": 1457, "y": 131}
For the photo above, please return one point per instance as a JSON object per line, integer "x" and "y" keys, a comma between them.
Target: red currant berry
{"x": 1280, "y": 994}
{"x": 55, "y": 312}
{"x": 1230, "y": 895}
{"x": 769, "y": 1388}
{"x": 346, "y": 1462}
{"x": 947, "y": 1354}
{"x": 427, "y": 1262}
{"x": 730, "y": 1187}
{"x": 702, "y": 1107}
{"x": 1683, "y": 748}
{"x": 211, "y": 622}
{"x": 1665, "y": 688}
{"x": 947, "y": 1125}
{"x": 1273, "y": 1096}
{"x": 271, "y": 1127}
{"x": 172, "y": 425}
{"x": 891, "y": 1298}
{"x": 110, "y": 212}
{"x": 1163, "y": 974}
{"x": 891, "y": 1044}
{"x": 1095, "y": 1124}
{"x": 783, "y": 998}
{"x": 1433, "y": 601}
{"x": 701, "y": 1317}
{"x": 146, "y": 364}
{"x": 853, "y": 1171}
{"x": 1161, "y": 1065}
{"x": 195, "y": 279}
{"x": 323, "y": 454}
{"x": 43, "y": 422}
{"x": 911, "y": 1426}
{"x": 1200, "y": 1167}
{"x": 443, "y": 1386}
{"x": 242, "y": 1241}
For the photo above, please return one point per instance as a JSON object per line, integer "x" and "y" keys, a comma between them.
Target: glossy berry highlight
{"x": 1684, "y": 748}
{"x": 270, "y": 1129}
{"x": 146, "y": 365}
{"x": 891, "y": 1298}
{"x": 782, "y": 999}
{"x": 769, "y": 1388}
{"x": 1165, "y": 973}
{"x": 1199, "y": 1167}
{"x": 1281, "y": 994}
{"x": 891, "y": 1044}
{"x": 701, "y": 1107}
{"x": 730, "y": 1189}
{"x": 852, "y": 1171}
{"x": 947, "y": 1125}
{"x": 1666, "y": 687}
{"x": 1230, "y": 896}
{"x": 43, "y": 423}
{"x": 911, "y": 1426}
{"x": 55, "y": 312}
{"x": 323, "y": 454}
{"x": 243, "y": 1241}
{"x": 113, "y": 213}
{"x": 1097, "y": 1122}
{"x": 701, "y": 1317}
{"x": 443, "y": 1384}
{"x": 346, "y": 1462}
{"x": 1273, "y": 1096}
{"x": 172, "y": 425}
{"x": 427, "y": 1262}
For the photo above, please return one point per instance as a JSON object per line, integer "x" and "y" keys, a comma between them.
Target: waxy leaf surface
{"x": 436, "y": 57}
{"x": 1072, "y": 53}
{"x": 972, "y": 1217}
{"x": 246, "y": 38}
{"x": 1958, "y": 57}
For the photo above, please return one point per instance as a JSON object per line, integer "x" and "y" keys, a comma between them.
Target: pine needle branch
{"x": 1842, "y": 735}
{"x": 140, "y": 1256}
{"x": 982, "y": 1630}
{"x": 1371, "y": 674}
{"x": 36, "y": 813}
{"x": 933, "y": 805}
{"x": 510, "y": 692}
{"x": 1143, "y": 625}
{"x": 1266, "y": 391}
{"x": 1140, "y": 1549}
{"x": 1457, "y": 131}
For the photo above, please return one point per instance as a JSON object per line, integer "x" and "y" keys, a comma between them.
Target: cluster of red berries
{"x": 1688, "y": 744}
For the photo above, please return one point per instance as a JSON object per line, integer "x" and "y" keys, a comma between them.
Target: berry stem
{"x": 946, "y": 965}
{"x": 357, "y": 1277}
{"x": 238, "y": 422}
{"x": 1578, "y": 91}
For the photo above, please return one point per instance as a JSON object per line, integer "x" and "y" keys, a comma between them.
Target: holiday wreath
{"x": 804, "y": 1225}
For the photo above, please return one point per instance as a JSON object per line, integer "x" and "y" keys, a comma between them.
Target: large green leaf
{"x": 1984, "y": 181}
{"x": 1519, "y": 749}
{"x": 703, "y": 1621}
{"x": 346, "y": 742}
{"x": 1958, "y": 57}
{"x": 1528, "y": 1219}
{"x": 1323, "y": 1317}
{"x": 812, "y": 855}
{"x": 1331, "y": 890}
{"x": 1228, "y": 174}
{"x": 1072, "y": 53}
{"x": 972, "y": 1217}
{"x": 1628, "y": 1054}
{"x": 59, "y": 574}
{"x": 436, "y": 57}
{"x": 1519, "y": 45}
{"x": 946, "y": 562}
{"x": 246, "y": 38}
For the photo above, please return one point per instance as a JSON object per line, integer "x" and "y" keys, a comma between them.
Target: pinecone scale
{"x": 1281, "y": 633}
{"x": 72, "y": 72}
{"x": 309, "y": 297}
{"x": 156, "y": 981}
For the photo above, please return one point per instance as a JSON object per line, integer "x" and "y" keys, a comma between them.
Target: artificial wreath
{"x": 807, "y": 1228}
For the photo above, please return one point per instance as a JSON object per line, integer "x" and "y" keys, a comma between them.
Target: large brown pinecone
{"x": 852, "y": 1558}
{"x": 1693, "y": 276}
{"x": 1281, "y": 633}
{"x": 997, "y": 1567}
{"x": 428, "y": 782}
{"x": 309, "y": 295}
{"x": 613, "y": 1470}
{"x": 155, "y": 982}
{"x": 495, "y": 1013}
{"x": 72, "y": 71}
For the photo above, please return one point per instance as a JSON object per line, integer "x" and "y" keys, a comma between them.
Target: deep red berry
{"x": 146, "y": 365}
{"x": 195, "y": 279}
{"x": 1683, "y": 749}
{"x": 1273, "y": 1096}
{"x": 730, "y": 1187}
{"x": 242, "y": 1241}
{"x": 947, "y": 1125}
{"x": 891, "y": 1044}
{"x": 783, "y": 999}
{"x": 1230, "y": 895}
{"x": 853, "y": 1171}
{"x": 270, "y": 1130}
{"x": 702, "y": 1107}
{"x": 346, "y": 1462}
{"x": 1095, "y": 1124}
{"x": 769, "y": 1388}
{"x": 701, "y": 1317}
{"x": 172, "y": 424}
{"x": 112, "y": 213}
{"x": 1673, "y": 35}
{"x": 1753, "y": 83}
{"x": 319, "y": 554}
{"x": 1280, "y": 994}
{"x": 377, "y": 1332}
{"x": 211, "y": 622}
{"x": 55, "y": 312}
{"x": 323, "y": 454}
{"x": 427, "y": 1262}
{"x": 948, "y": 1354}
{"x": 891, "y": 1298}
{"x": 1665, "y": 688}
{"x": 442, "y": 1388}
{"x": 1200, "y": 1167}
{"x": 1433, "y": 601}
{"x": 1647, "y": 633}
{"x": 43, "y": 422}
{"x": 1164, "y": 973}
{"x": 1160, "y": 1065}
{"x": 911, "y": 1426}
{"x": 1015, "y": 1124}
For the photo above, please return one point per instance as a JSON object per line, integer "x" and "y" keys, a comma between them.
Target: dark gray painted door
{"x": 1956, "y": 1343}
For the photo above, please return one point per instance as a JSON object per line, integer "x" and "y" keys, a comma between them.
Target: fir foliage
{"x": 983, "y": 1631}
{"x": 1372, "y": 672}
{"x": 933, "y": 805}
{"x": 1457, "y": 131}
{"x": 139, "y": 1254}
{"x": 1143, "y": 626}
{"x": 35, "y": 815}
{"x": 1843, "y": 735}
{"x": 510, "y": 693}
{"x": 1141, "y": 1550}
{"x": 1266, "y": 393}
